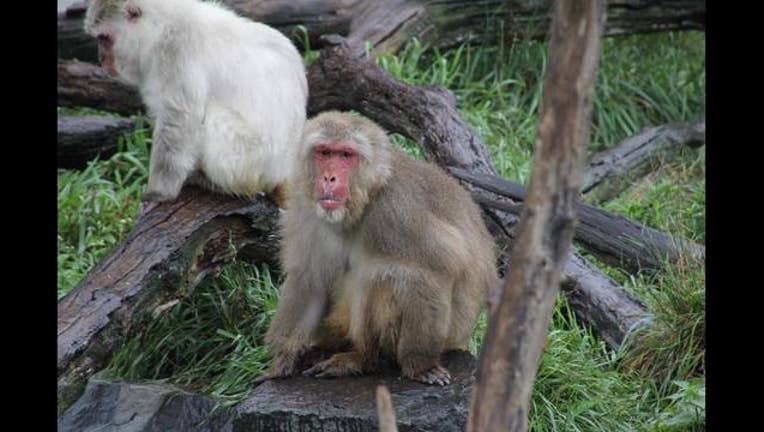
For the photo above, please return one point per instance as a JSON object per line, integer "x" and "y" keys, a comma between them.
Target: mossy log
{"x": 388, "y": 24}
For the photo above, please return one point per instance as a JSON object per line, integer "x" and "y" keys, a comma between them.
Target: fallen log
{"x": 83, "y": 138}
{"x": 611, "y": 171}
{"x": 389, "y": 24}
{"x": 616, "y": 240}
{"x": 73, "y": 42}
{"x": 168, "y": 252}
{"x": 611, "y": 311}
{"x": 85, "y": 84}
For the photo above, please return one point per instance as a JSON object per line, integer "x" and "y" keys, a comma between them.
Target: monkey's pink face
{"x": 106, "y": 52}
{"x": 336, "y": 163}
{"x": 107, "y": 37}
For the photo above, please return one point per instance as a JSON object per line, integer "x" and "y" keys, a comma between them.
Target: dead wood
{"x": 616, "y": 240}
{"x": 83, "y": 138}
{"x": 611, "y": 171}
{"x": 87, "y": 85}
{"x": 167, "y": 253}
{"x": 388, "y": 24}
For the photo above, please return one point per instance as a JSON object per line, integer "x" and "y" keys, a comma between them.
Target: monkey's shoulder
{"x": 430, "y": 189}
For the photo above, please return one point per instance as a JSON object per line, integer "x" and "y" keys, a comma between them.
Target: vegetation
{"x": 211, "y": 341}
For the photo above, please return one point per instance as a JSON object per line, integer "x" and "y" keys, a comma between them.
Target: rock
{"x": 131, "y": 407}
{"x": 290, "y": 405}
{"x": 349, "y": 404}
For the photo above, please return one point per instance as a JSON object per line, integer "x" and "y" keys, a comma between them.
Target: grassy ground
{"x": 210, "y": 342}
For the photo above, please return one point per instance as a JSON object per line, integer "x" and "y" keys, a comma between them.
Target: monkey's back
{"x": 430, "y": 221}
{"x": 240, "y": 83}
{"x": 429, "y": 218}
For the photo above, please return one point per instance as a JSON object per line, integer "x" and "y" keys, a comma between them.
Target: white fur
{"x": 231, "y": 91}
{"x": 331, "y": 216}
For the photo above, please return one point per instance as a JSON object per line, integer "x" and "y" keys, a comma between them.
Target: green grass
{"x": 96, "y": 207}
{"x": 211, "y": 340}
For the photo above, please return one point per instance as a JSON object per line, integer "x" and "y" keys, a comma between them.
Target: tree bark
{"x": 85, "y": 84}
{"x": 611, "y": 171}
{"x": 518, "y": 325}
{"x": 388, "y": 24}
{"x": 83, "y": 138}
{"x": 616, "y": 240}
{"x": 599, "y": 302}
{"x": 163, "y": 258}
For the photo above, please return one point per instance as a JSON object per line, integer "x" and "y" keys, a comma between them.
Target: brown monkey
{"x": 382, "y": 251}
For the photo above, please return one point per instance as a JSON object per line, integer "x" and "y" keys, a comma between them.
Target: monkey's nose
{"x": 330, "y": 179}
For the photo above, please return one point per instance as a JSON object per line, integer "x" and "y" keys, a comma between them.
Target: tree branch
{"x": 518, "y": 325}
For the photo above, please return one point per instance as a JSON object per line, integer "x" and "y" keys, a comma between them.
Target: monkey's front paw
{"x": 283, "y": 366}
{"x": 338, "y": 365}
{"x": 155, "y": 197}
{"x": 145, "y": 207}
{"x": 267, "y": 377}
{"x": 149, "y": 201}
{"x": 436, "y": 375}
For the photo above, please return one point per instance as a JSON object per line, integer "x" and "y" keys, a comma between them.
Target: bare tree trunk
{"x": 518, "y": 325}
{"x": 388, "y": 24}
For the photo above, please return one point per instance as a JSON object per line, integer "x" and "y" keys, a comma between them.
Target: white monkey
{"x": 227, "y": 95}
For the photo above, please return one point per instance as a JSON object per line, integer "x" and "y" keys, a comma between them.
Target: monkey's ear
{"x": 132, "y": 12}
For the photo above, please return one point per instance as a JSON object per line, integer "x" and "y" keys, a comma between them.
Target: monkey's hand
{"x": 149, "y": 201}
{"x": 145, "y": 207}
{"x": 342, "y": 364}
{"x": 156, "y": 197}
{"x": 435, "y": 375}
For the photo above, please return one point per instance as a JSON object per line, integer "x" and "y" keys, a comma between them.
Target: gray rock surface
{"x": 289, "y": 405}
{"x": 130, "y": 407}
{"x": 349, "y": 404}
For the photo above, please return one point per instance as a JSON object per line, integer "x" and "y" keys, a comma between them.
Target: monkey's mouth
{"x": 331, "y": 204}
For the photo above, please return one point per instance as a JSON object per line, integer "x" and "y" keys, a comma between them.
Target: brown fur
{"x": 404, "y": 274}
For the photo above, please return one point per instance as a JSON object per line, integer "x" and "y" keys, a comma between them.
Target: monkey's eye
{"x": 325, "y": 152}
{"x": 132, "y": 12}
{"x": 347, "y": 155}
{"x": 103, "y": 37}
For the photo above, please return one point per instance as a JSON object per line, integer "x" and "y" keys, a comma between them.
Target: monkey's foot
{"x": 282, "y": 366}
{"x": 435, "y": 375}
{"x": 342, "y": 364}
{"x": 266, "y": 377}
{"x": 145, "y": 207}
{"x": 274, "y": 373}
